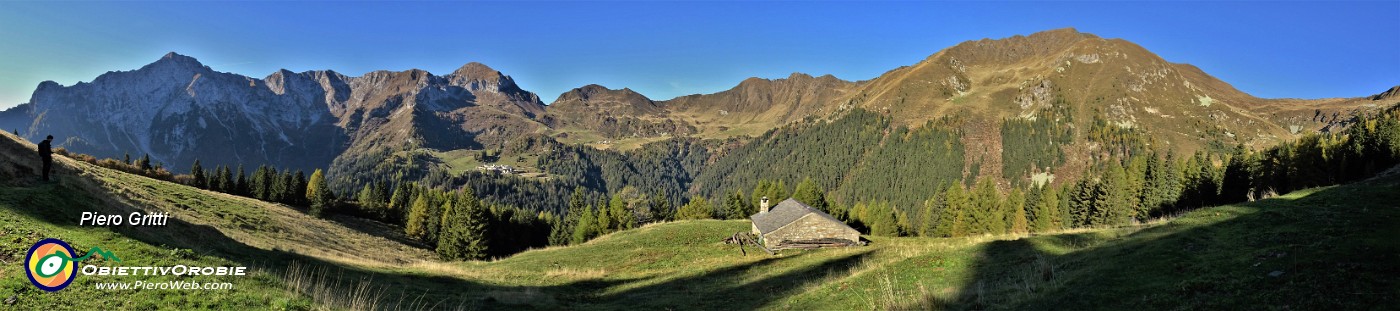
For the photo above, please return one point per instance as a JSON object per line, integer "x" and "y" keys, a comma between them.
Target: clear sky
{"x": 668, "y": 49}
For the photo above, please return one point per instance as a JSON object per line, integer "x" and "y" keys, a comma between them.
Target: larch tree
{"x": 1016, "y": 202}
{"x": 416, "y": 225}
{"x": 318, "y": 193}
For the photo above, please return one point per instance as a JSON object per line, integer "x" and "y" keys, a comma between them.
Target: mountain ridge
{"x": 177, "y": 109}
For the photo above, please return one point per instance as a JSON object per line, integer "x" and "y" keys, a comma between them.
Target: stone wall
{"x": 809, "y": 227}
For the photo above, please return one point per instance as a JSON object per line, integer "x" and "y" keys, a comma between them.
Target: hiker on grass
{"x": 46, "y": 154}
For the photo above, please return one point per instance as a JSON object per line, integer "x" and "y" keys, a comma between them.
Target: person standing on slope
{"x": 46, "y": 154}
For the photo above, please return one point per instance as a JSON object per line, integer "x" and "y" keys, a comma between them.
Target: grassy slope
{"x": 211, "y": 228}
{"x": 1333, "y": 249}
{"x": 33, "y": 213}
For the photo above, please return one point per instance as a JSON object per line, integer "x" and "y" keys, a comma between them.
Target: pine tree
{"x": 1081, "y": 199}
{"x": 257, "y": 184}
{"x": 450, "y": 215}
{"x": 1236, "y": 184}
{"x": 226, "y": 181}
{"x": 464, "y": 228}
{"x": 197, "y": 177}
{"x": 240, "y": 184}
{"x": 144, "y": 163}
{"x": 735, "y": 207}
{"x": 283, "y": 191}
{"x": 604, "y": 217}
{"x": 563, "y": 231}
{"x": 282, "y": 187}
{"x": 318, "y": 193}
{"x": 401, "y": 201}
{"x": 882, "y": 219}
{"x": 432, "y": 224}
{"x": 1047, "y": 210}
{"x": 126, "y": 159}
{"x": 932, "y": 212}
{"x": 1154, "y": 187}
{"x": 951, "y": 222}
{"x": 1136, "y": 173}
{"x": 381, "y": 195}
{"x": 1172, "y": 181}
{"x": 298, "y": 189}
{"x": 810, "y": 193}
{"x": 697, "y": 208}
{"x": 1114, "y": 209}
{"x": 586, "y": 228}
{"x": 761, "y": 191}
{"x": 622, "y": 217}
{"x": 661, "y": 207}
{"x": 987, "y": 214}
{"x": 363, "y": 198}
{"x": 779, "y": 192}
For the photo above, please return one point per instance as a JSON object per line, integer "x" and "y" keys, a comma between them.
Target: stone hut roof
{"x": 785, "y": 213}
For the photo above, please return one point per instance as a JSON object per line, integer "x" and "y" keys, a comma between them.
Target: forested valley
{"x": 882, "y": 178}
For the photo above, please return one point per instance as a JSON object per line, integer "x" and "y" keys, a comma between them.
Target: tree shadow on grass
{"x": 1329, "y": 250}
{"x": 735, "y": 287}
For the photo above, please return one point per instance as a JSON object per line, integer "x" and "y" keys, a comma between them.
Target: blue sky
{"x": 668, "y": 49}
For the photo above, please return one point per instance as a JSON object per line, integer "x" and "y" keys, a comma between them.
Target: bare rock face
{"x": 178, "y": 110}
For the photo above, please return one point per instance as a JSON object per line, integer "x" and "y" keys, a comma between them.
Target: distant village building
{"x": 794, "y": 224}
{"x": 503, "y": 169}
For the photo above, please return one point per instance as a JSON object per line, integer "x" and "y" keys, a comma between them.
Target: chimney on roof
{"x": 763, "y": 205}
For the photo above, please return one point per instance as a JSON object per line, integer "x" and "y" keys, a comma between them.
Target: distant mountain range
{"x": 178, "y": 110}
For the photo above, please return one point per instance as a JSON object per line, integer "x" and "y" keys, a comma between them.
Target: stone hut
{"x": 794, "y": 222}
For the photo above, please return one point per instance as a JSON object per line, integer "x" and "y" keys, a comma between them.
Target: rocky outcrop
{"x": 178, "y": 110}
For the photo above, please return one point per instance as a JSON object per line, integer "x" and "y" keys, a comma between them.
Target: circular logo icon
{"x": 49, "y": 264}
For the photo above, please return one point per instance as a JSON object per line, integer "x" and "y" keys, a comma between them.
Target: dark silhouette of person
{"x": 46, "y": 154}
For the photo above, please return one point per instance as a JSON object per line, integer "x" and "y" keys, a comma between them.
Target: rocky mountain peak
{"x": 176, "y": 59}
{"x": 1016, "y": 48}
{"x": 1392, "y": 93}
{"x": 477, "y": 76}
{"x": 477, "y": 71}
{"x": 595, "y": 95}
{"x": 591, "y": 91}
